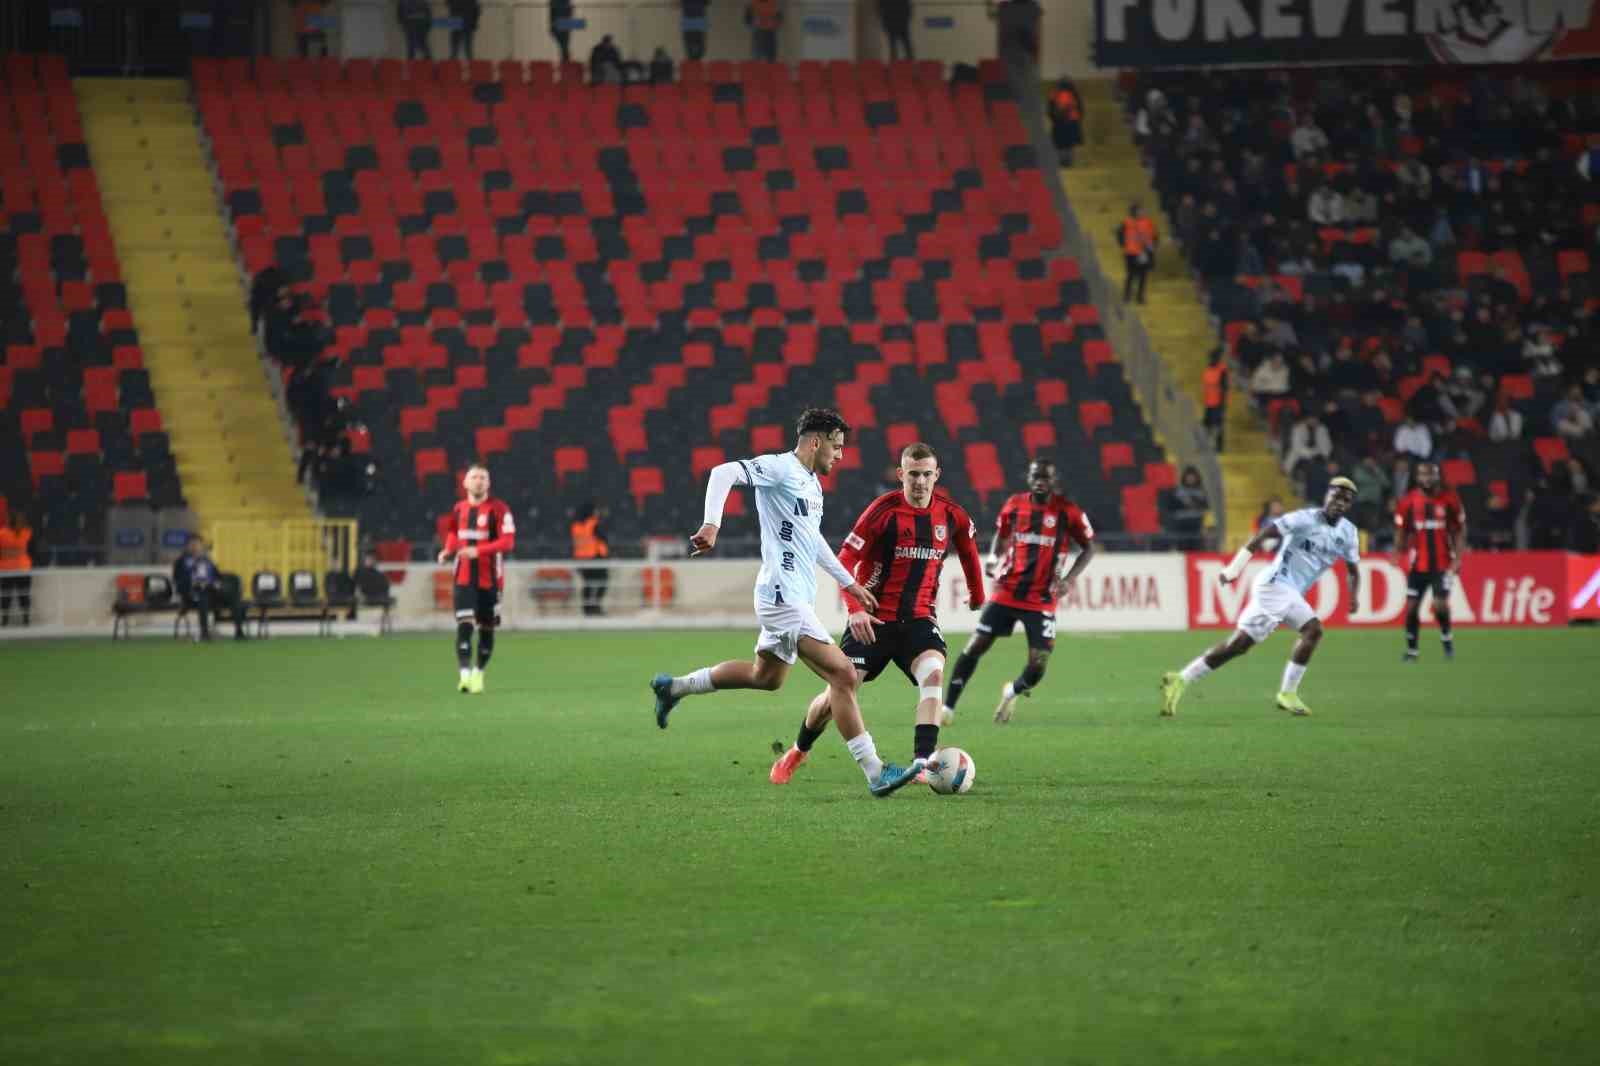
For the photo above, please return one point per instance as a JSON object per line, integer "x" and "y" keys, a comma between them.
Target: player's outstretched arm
{"x": 719, "y": 483}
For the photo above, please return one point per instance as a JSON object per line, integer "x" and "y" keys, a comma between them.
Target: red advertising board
{"x": 1583, "y": 586}
{"x": 1495, "y": 589}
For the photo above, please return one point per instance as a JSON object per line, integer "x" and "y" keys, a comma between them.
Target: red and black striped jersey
{"x": 897, "y": 550}
{"x": 1040, "y": 535}
{"x": 1430, "y": 522}
{"x": 488, "y": 527}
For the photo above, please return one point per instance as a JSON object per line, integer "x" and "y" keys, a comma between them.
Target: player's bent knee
{"x": 1312, "y": 631}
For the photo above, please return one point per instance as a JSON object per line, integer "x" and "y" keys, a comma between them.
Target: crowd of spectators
{"x": 1401, "y": 262}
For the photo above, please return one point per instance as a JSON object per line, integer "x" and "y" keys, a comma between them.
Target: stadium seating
{"x": 79, "y": 429}
{"x": 607, "y": 289}
{"x": 1484, "y": 170}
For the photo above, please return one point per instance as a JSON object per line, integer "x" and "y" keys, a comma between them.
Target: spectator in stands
{"x": 416, "y": 19}
{"x": 1441, "y": 234}
{"x": 694, "y": 40}
{"x": 1066, "y": 119}
{"x": 561, "y": 27}
{"x": 1465, "y": 395}
{"x": 1139, "y": 241}
{"x": 16, "y": 570}
{"x": 1499, "y": 524}
{"x": 1409, "y": 252}
{"x": 1326, "y": 206}
{"x": 1539, "y": 355}
{"x": 1372, "y": 490}
{"x": 1248, "y": 260}
{"x": 1506, "y": 422}
{"x": 1271, "y": 511}
{"x": 1197, "y": 139}
{"x": 1550, "y": 513}
{"x": 1413, "y": 439}
{"x": 661, "y": 68}
{"x": 896, "y": 18}
{"x": 588, "y": 545}
{"x": 1308, "y": 140}
{"x": 371, "y": 582}
{"x": 1368, "y": 425}
{"x": 308, "y": 33}
{"x": 1414, "y": 178}
{"x": 1430, "y": 404}
{"x": 292, "y": 339}
{"x": 1270, "y": 381}
{"x": 264, "y": 293}
{"x": 1297, "y": 263}
{"x": 605, "y": 62}
{"x": 1585, "y": 535}
{"x": 461, "y": 38}
{"x": 1309, "y": 441}
{"x": 1571, "y": 417}
{"x": 1214, "y": 380}
{"x": 1360, "y": 207}
{"x": 764, "y": 17}
{"x": 1347, "y": 373}
{"x": 1186, "y": 505}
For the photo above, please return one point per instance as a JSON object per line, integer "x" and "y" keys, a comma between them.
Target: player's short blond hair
{"x": 917, "y": 450}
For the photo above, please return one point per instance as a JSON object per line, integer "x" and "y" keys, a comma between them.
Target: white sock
{"x": 695, "y": 684}
{"x": 1292, "y": 673}
{"x": 865, "y": 753}
{"x": 1195, "y": 670}
{"x": 466, "y": 672}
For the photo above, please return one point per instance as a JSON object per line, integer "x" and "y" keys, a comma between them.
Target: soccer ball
{"x": 955, "y": 774}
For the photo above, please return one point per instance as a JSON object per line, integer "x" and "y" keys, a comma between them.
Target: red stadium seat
{"x": 1038, "y": 438}
{"x": 1160, "y": 475}
{"x": 1459, "y": 472}
{"x": 1141, "y": 514}
{"x": 1551, "y": 450}
{"x": 570, "y": 460}
{"x": 1092, "y": 415}
{"x": 127, "y": 487}
{"x": 431, "y": 461}
{"x": 768, "y": 439}
{"x": 703, "y": 458}
{"x": 984, "y": 472}
{"x": 644, "y": 482}
{"x": 1115, "y": 456}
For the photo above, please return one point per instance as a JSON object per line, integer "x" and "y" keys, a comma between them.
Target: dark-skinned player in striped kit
{"x": 1032, "y": 543}
{"x": 896, "y": 550}
{"x": 1431, "y": 526}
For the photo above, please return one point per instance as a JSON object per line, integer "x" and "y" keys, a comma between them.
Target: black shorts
{"x": 998, "y": 620}
{"x": 482, "y": 605}
{"x": 901, "y": 643}
{"x": 1420, "y": 581}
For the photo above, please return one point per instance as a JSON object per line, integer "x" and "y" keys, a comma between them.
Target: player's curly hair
{"x": 824, "y": 420}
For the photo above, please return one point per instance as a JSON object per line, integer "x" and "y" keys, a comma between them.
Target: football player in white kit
{"x": 1314, "y": 538}
{"x": 789, "y": 505}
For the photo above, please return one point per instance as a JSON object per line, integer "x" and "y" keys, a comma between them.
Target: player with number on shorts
{"x": 1314, "y": 538}
{"x": 789, "y": 505}
{"x": 1432, "y": 527}
{"x": 1033, "y": 540}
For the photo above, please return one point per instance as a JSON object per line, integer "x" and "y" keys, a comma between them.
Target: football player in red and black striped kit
{"x": 896, "y": 550}
{"x": 1432, "y": 528}
{"x": 480, "y": 536}
{"x": 1033, "y": 537}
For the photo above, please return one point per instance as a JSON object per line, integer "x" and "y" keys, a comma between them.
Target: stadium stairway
{"x": 184, "y": 291}
{"x": 1108, "y": 172}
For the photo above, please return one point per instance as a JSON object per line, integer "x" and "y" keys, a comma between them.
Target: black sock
{"x": 463, "y": 644}
{"x": 960, "y": 674}
{"x": 485, "y": 645}
{"x": 807, "y": 737}
{"x": 1031, "y": 675}
{"x": 926, "y": 741}
{"x": 1413, "y": 626}
{"x": 1445, "y": 632}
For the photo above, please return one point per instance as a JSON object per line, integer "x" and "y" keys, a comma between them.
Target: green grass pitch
{"x": 304, "y": 851}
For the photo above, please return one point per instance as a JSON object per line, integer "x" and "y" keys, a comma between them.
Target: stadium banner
{"x": 1494, "y": 589}
{"x": 1118, "y": 592}
{"x": 1187, "y": 33}
{"x": 1583, "y": 587}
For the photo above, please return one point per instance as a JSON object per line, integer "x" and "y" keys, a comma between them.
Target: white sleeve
{"x": 830, "y": 562}
{"x": 721, "y": 482}
{"x": 1353, "y": 554}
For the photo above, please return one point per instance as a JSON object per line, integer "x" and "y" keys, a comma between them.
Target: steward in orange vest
{"x": 763, "y": 18}
{"x": 589, "y": 543}
{"x": 1214, "y": 379}
{"x": 16, "y": 565}
{"x": 1066, "y": 120}
{"x": 1138, "y": 238}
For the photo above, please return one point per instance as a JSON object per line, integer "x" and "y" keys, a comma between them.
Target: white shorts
{"x": 782, "y": 626}
{"x": 1273, "y": 605}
